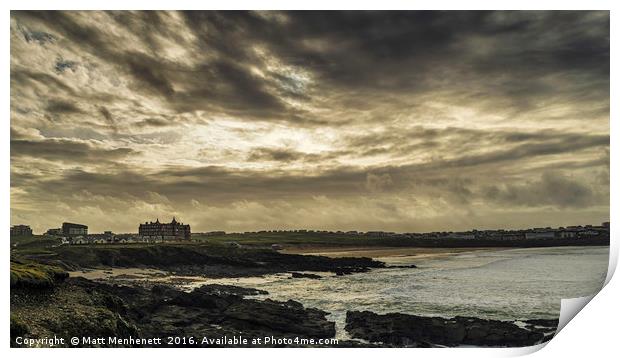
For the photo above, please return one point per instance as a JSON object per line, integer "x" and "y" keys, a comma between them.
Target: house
{"x": 166, "y": 231}
{"x": 79, "y": 240}
{"x": 21, "y": 230}
{"x": 54, "y": 232}
{"x": 71, "y": 229}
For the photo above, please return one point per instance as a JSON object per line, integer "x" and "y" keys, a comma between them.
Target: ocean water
{"x": 514, "y": 284}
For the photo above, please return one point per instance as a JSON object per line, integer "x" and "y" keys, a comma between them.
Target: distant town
{"x": 158, "y": 232}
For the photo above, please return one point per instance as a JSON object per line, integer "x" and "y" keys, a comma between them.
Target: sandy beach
{"x": 383, "y": 251}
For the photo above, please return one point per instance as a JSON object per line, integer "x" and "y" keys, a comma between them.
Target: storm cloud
{"x": 351, "y": 120}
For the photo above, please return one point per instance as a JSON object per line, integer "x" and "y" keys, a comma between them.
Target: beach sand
{"x": 378, "y": 251}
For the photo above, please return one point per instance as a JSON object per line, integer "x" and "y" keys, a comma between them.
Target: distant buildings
{"x": 54, "y": 232}
{"x": 21, "y": 230}
{"x": 460, "y": 235}
{"x": 540, "y": 235}
{"x": 547, "y": 233}
{"x": 380, "y": 233}
{"x": 170, "y": 231}
{"x": 71, "y": 229}
{"x": 156, "y": 232}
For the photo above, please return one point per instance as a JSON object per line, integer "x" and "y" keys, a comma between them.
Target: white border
{"x": 593, "y": 332}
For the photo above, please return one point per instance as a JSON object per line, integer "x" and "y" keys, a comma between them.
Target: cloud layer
{"x": 402, "y": 121}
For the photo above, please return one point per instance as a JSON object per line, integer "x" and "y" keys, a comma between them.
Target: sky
{"x": 406, "y": 121}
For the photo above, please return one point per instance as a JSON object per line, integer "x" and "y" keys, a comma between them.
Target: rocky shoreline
{"x": 45, "y": 303}
{"x": 402, "y": 330}
{"x": 202, "y": 260}
{"x": 80, "y": 307}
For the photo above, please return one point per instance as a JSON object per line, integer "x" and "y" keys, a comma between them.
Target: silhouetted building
{"x": 54, "y": 232}
{"x": 21, "y": 230}
{"x": 71, "y": 229}
{"x": 170, "y": 231}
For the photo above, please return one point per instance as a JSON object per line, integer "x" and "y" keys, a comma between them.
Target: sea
{"x": 512, "y": 284}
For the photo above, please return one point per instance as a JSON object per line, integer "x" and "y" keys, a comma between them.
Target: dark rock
{"x": 305, "y": 275}
{"x": 410, "y": 330}
{"x": 80, "y": 307}
{"x": 284, "y": 317}
{"x": 402, "y": 266}
{"x": 551, "y": 323}
{"x": 227, "y": 290}
{"x": 207, "y": 260}
{"x": 114, "y": 303}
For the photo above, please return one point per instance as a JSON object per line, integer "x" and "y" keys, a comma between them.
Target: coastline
{"x": 350, "y": 308}
{"x": 377, "y": 252}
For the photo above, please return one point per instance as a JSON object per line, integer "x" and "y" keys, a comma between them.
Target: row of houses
{"x": 111, "y": 239}
{"x": 77, "y": 234}
{"x": 154, "y": 232}
{"x": 569, "y": 232}
{"x": 149, "y": 232}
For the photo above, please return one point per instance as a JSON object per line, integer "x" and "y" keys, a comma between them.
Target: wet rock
{"x": 284, "y": 317}
{"x": 221, "y": 309}
{"x": 551, "y": 323}
{"x": 80, "y": 307}
{"x": 410, "y": 330}
{"x": 305, "y": 275}
{"x": 402, "y": 266}
{"x": 227, "y": 290}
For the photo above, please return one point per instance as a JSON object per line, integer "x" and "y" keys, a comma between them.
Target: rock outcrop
{"x": 204, "y": 260}
{"x": 305, "y": 275}
{"x": 397, "y": 329}
{"x": 80, "y": 307}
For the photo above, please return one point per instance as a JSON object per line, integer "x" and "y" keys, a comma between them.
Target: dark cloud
{"x": 153, "y": 122}
{"x": 62, "y": 65}
{"x": 503, "y": 56}
{"x": 508, "y": 145}
{"x": 552, "y": 189}
{"x": 106, "y": 113}
{"x": 148, "y": 73}
{"x": 56, "y": 106}
{"x": 40, "y": 37}
{"x": 65, "y": 151}
{"x": 222, "y": 85}
{"x": 374, "y": 117}
{"x": 272, "y": 154}
{"x": 21, "y": 78}
{"x": 567, "y": 144}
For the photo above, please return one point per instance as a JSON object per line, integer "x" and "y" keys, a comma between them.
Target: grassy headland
{"x": 32, "y": 274}
{"x": 200, "y": 258}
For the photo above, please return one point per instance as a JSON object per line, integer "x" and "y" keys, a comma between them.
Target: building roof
{"x": 75, "y": 225}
